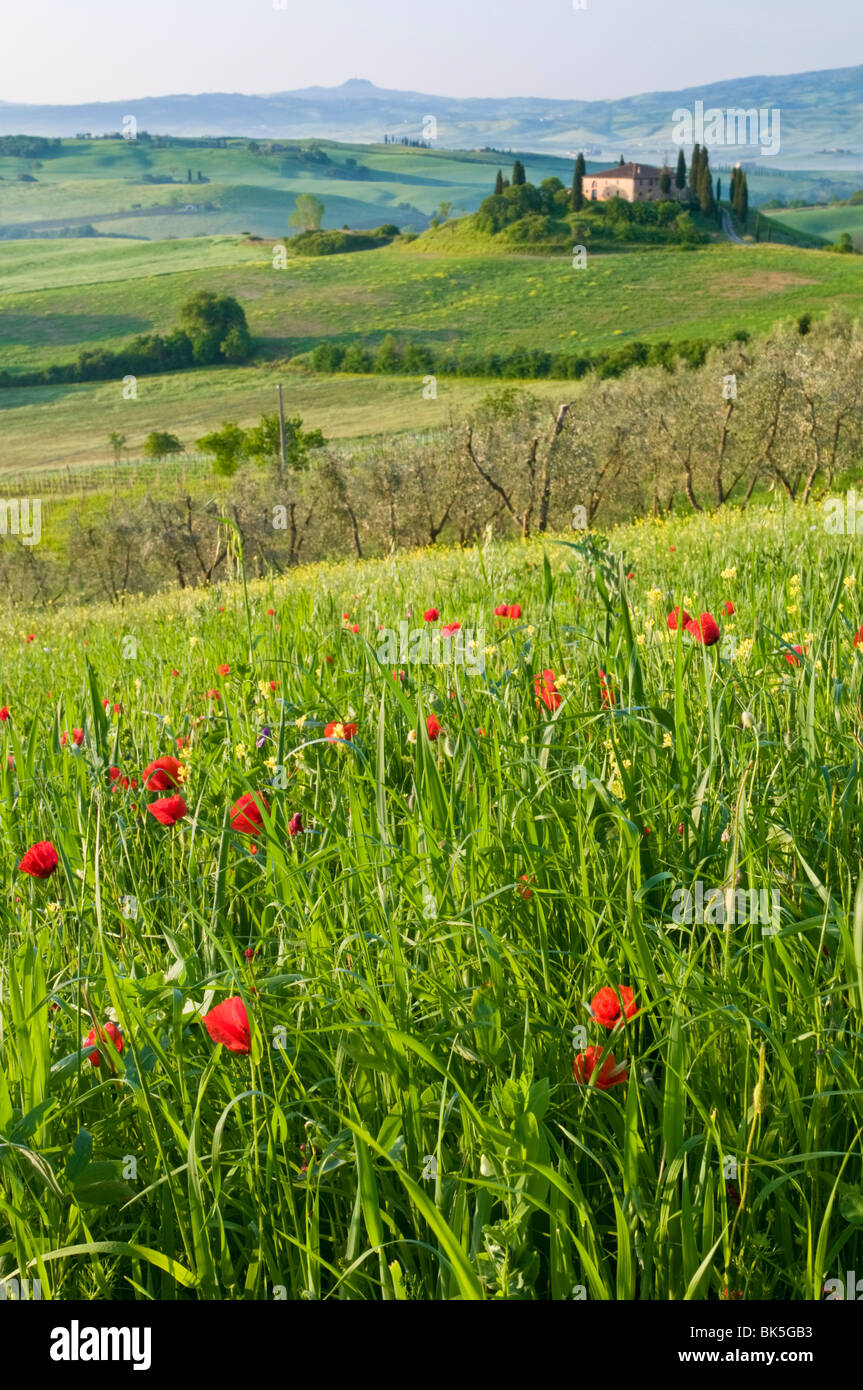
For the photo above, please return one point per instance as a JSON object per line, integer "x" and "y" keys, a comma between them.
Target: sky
{"x": 70, "y": 51}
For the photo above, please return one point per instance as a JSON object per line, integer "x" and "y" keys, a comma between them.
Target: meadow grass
{"x": 829, "y": 222}
{"x": 477, "y": 303}
{"x": 59, "y": 426}
{"x": 58, "y": 298}
{"x": 99, "y": 181}
{"x": 418, "y": 961}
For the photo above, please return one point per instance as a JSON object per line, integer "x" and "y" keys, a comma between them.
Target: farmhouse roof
{"x": 628, "y": 171}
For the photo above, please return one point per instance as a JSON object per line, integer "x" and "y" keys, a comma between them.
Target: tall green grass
{"x": 406, "y": 1124}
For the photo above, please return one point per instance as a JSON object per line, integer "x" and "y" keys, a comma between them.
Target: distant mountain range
{"x": 821, "y": 117}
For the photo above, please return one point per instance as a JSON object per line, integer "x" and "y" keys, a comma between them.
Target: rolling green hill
{"x": 102, "y": 293}
{"x": 829, "y": 222}
{"x": 106, "y": 184}
{"x": 109, "y": 185}
{"x": 60, "y": 296}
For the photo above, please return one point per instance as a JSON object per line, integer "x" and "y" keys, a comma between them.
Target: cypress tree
{"x": 518, "y": 175}
{"x": 744, "y": 198}
{"x": 665, "y": 182}
{"x": 705, "y": 183}
{"x": 498, "y": 183}
{"x": 621, "y": 161}
{"x": 694, "y": 171}
{"x": 680, "y": 176}
{"x": 719, "y": 190}
{"x": 578, "y": 184}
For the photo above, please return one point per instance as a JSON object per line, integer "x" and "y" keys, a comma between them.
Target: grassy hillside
{"x": 479, "y": 1051}
{"x": 58, "y": 297}
{"x": 103, "y": 183}
{"x": 475, "y": 301}
{"x": 829, "y": 222}
{"x": 52, "y": 426}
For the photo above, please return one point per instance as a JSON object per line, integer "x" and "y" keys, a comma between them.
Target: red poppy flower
{"x": 514, "y": 610}
{"x": 4, "y": 714}
{"x": 40, "y": 861}
{"x": 77, "y": 738}
{"x": 586, "y": 1063}
{"x": 705, "y": 630}
{"x": 295, "y": 824}
{"x": 543, "y": 687}
{"x": 163, "y": 774}
{"x": 525, "y": 892}
{"x": 433, "y": 727}
{"x": 431, "y": 615}
{"x": 859, "y": 638}
{"x": 224, "y": 669}
{"x": 449, "y": 628}
{"x": 794, "y": 660}
{"x": 606, "y": 1005}
{"x": 336, "y": 731}
{"x": 271, "y": 612}
{"x": 500, "y": 611}
{"x": 31, "y": 637}
{"x": 346, "y": 617}
{"x": 228, "y": 1023}
{"x": 729, "y": 607}
{"x": 675, "y": 616}
{"x": 105, "y": 1032}
{"x": 246, "y": 817}
{"x": 118, "y": 781}
{"x": 212, "y": 695}
{"x": 168, "y": 809}
{"x": 605, "y": 689}
{"x": 355, "y": 627}
{"x": 274, "y": 685}
{"x": 398, "y": 675}
{"x": 175, "y": 673}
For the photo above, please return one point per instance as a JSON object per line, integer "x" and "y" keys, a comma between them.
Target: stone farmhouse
{"x": 637, "y": 183}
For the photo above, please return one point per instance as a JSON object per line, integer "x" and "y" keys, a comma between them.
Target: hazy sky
{"x": 85, "y": 50}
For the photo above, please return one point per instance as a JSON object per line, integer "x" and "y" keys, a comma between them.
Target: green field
{"x": 58, "y": 297}
{"x": 829, "y": 222}
{"x": 411, "y": 1110}
{"x": 53, "y": 426}
{"x": 483, "y": 301}
{"x": 100, "y": 182}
